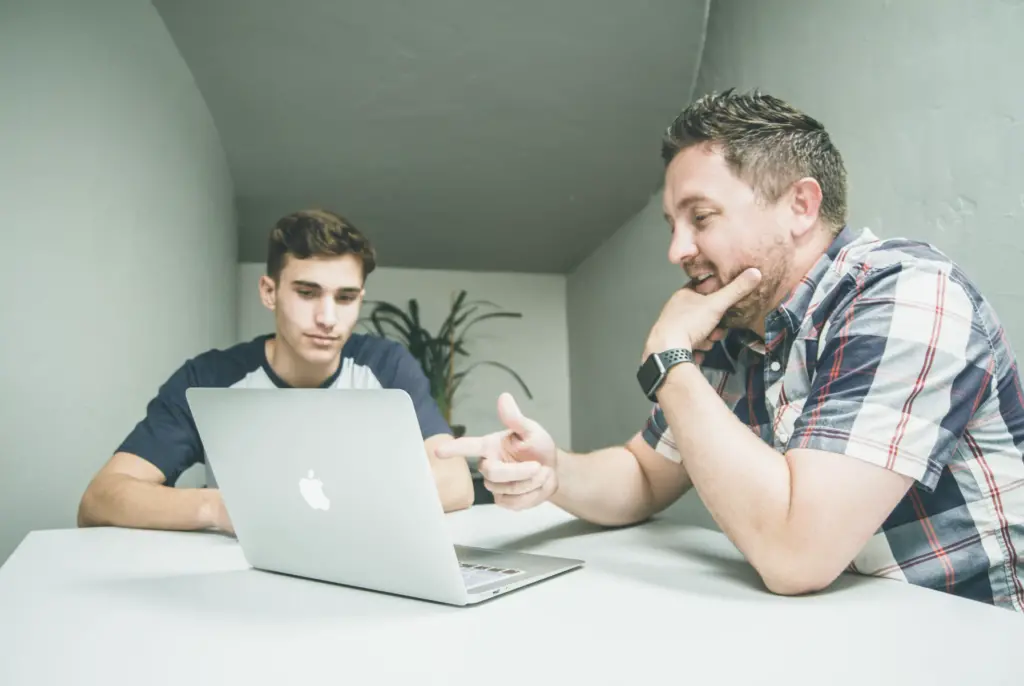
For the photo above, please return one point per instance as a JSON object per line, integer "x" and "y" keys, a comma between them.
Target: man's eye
{"x": 345, "y": 298}
{"x": 306, "y": 293}
{"x": 701, "y": 219}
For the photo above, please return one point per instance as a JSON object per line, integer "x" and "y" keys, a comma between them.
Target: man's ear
{"x": 804, "y": 205}
{"x": 268, "y": 292}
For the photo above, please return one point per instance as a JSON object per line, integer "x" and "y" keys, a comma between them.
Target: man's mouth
{"x": 702, "y": 282}
{"x": 323, "y": 340}
{"x": 701, "y": 278}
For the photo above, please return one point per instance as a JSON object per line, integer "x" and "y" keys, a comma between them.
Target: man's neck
{"x": 293, "y": 370}
{"x": 803, "y": 261}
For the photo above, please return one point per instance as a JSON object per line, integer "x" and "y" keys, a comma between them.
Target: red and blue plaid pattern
{"x": 888, "y": 353}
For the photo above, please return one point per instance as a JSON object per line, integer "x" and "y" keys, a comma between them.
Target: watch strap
{"x": 670, "y": 358}
{"x": 654, "y": 370}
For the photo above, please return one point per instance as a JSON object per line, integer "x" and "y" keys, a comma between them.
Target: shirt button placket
{"x": 772, "y": 365}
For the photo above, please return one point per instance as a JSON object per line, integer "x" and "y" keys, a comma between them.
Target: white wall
{"x": 119, "y": 235}
{"x": 922, "y": 99}
{"x": 536, "y": 346}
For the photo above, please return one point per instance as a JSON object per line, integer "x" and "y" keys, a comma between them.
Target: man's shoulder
{"x": 869, "y": 254}
{"x": 223, "y": 367}
{"x": 876, "y": 264}
{"x": 383, "y": 359}
{"x": 914, "y": 280}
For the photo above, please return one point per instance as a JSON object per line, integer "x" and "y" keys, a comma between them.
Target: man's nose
{"x": 682, "y": 248}
{"x": 326, "y": 313}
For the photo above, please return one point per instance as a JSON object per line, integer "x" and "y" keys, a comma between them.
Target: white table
{"x": 658, "y": 603}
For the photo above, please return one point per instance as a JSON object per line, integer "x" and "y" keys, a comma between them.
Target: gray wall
{"x": 119, "y": 239}
{"x": 922, "y": 99}
{"x": 613, "y": 299}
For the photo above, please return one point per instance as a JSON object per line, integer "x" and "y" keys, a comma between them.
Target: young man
{"x": 317, "y": 266}
{"x": 838, "y": 401}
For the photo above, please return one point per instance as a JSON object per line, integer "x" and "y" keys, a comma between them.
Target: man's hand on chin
{"x": 691, "y": 321}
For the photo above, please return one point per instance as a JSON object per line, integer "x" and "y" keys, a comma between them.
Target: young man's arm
{"x": 129, "y": 492}
{"x": 135, "y": 487}
{"x": 899, "y": 369}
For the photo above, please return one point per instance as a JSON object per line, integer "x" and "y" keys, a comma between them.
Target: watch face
{"x": 649, "y": 374}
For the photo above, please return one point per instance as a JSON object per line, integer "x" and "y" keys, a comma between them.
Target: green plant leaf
{"x": 414, "y": 313}
{"x": 389, "y": 309}
{"x": 379, "y": 320}
{"x": 449, "y": 322}
{"x": 435, "y": 353}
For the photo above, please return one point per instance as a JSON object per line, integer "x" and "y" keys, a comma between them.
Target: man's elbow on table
{"x": 123, "y": 479}
{"x": 794, "y": 563}
{"x": 86, "y": 508}
{"x": 794, "y": 575}
{"x": 98, "y": 504}
{"x": 95, "y": 505}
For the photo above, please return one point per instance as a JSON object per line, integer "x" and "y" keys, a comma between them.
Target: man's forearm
{"x": 744, "y": 483}
{"x": 605, "y": 487}
{"x": 122, "y": 500}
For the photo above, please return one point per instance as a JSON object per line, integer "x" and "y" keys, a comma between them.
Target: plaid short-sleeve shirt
{"x": 888, "y": 353}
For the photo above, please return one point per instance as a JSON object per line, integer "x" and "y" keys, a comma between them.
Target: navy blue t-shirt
{"x": 167, "y": 436}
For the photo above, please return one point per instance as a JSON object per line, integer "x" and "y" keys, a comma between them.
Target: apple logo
{"x": 312, "y": 490}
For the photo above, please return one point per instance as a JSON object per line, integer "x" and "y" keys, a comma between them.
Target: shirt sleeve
{"x": 167, "y": 436}
{"x": 901, "y": 364}
{"x": 408, "y": 375}
{"x": 657, "y": 434}
{"x": 656, "y": 431}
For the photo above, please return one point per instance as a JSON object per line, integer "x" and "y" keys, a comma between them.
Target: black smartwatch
{"x": 653, "y": 371}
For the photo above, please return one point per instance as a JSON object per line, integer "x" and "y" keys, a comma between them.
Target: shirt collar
{"x": 725, "y": 354}
{"x": 794, "y": 307}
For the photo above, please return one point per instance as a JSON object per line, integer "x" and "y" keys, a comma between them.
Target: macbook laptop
{"x": 335, "y": 485}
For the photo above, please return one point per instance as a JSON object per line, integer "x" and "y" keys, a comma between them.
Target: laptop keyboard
{"x": 479, "y": 575}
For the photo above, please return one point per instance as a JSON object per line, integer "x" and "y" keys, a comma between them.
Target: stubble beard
{"x": 750, "y": 311}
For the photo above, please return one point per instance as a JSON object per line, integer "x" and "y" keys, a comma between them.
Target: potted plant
{"x": 437, "y": 353}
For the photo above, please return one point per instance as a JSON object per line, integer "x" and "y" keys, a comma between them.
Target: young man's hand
{"x": 215, "y": 513}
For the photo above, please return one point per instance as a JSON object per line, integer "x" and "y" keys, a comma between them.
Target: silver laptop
{"x": 334, "y": 485}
